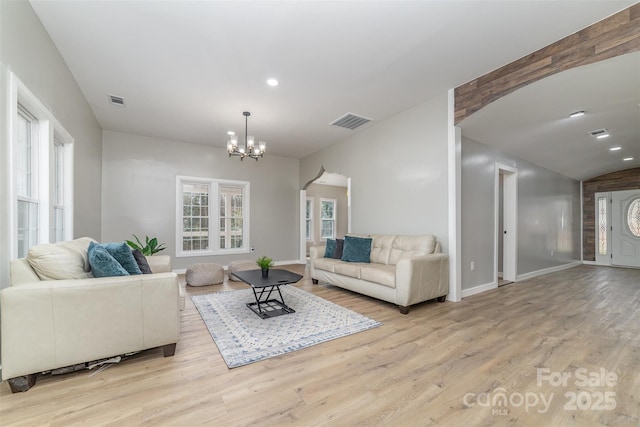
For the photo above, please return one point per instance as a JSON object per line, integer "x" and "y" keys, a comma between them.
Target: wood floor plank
{"x": 414, "y": 370}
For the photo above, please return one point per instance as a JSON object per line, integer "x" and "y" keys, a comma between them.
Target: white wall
{"x": 548, "y": 215}
{"x": 139, "y": 186}
{"x": 398, "y": 171}
{"x": 28, "y": 52}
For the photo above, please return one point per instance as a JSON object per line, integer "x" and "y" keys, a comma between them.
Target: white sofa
{"x": 403, "y": 270}
{"x": 50, "y": 324}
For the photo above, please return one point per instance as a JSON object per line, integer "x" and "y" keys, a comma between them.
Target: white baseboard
{"x": 537, "y": 273}
{"x": 590, "y": 263}
{"x": 479, "y": 289}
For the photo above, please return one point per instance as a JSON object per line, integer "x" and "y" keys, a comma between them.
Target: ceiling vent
{"x": 116, "y": 100}
{"x": 599, "y": 133}
{"x": 350, "y": 121}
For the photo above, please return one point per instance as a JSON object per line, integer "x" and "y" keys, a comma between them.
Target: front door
{"x": 625, "y": 230}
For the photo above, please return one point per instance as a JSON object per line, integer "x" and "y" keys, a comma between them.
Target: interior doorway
{"x": 506, "y": 230}
{"x": 325, "y": 210}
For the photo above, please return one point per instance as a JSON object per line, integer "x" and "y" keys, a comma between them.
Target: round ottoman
{"x": 242, "y": 265}
{"x": 204, "y": 274}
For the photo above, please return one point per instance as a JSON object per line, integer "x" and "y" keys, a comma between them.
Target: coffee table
{"x": 263, "y": 287}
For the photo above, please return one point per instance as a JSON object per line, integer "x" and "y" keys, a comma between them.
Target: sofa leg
{"x": 314, "y": 281}
{"x": 443, "y": 298}
{"x": 21, "y": 384}
{"x": 169, "y": 349}
{"x": 403, "y": 309}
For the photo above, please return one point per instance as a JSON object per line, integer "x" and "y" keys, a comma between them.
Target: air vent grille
{"x": 599, "y": 133}
{"x": 116, "y": 100}
{"x": 350, "y": 121}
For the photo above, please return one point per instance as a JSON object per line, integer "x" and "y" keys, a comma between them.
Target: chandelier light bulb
{"x": 250, "y": 141}
{"x": 263, "y": 146}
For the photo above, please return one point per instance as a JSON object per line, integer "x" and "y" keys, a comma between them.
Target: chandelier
{"x": 249, "y": 149}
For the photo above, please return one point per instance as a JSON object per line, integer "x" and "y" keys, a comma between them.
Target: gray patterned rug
{"x": 242, "y": 337}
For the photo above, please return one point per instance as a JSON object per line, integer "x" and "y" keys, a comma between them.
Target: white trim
{"x": 49, "y": 128}
{"x": 214, "y": 216}
{"x": 479, "y": 289}
{"x": 537, "y": 273}
{"x": 335, "y": 217}
{"x": 454, "y": 152}
{"x": 513, "y": 228}
{"x": 589, "y": 262}
{"x": 606, "y": 258}
{"x": 582, "y": 222}
{"x": 302, "y": 241}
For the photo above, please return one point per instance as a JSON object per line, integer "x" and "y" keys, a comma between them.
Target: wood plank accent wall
{"x": 616, "y": 35}
{"x": 622, "y": 180}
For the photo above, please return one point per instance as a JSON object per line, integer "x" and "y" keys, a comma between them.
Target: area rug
{"x": 243, "y": 337}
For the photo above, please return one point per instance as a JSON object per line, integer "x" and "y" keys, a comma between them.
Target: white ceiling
{"x": 534, "y": 123}
{"x": 187, "y": 69}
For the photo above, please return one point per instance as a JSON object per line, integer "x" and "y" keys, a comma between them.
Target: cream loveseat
{"x": 50, "y": 324}
{"x": 403, "y": 270}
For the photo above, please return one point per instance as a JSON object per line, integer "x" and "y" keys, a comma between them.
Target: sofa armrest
{"x": 422, "y": 278}
{"x": 315, "y": 252}
{"x": 56, "y": 323}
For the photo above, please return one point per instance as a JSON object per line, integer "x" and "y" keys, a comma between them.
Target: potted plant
{"x": 265, "y": 263}
{"x": 150, "y": 247}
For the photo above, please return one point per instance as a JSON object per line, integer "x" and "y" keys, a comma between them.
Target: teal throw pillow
{"x": 103, "y": 264}
{"x": 122, "y": 253}
{"x": 330, "y": 249}
{"x": 356, "y": 249}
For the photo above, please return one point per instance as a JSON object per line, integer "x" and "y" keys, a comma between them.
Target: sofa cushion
{"x": 381, "y": 248}
{"x": 326, "y": 264}
{"x": 379, "y": 273}
{"x": 349, "y": 269}
{"x": 356, "y": 249}
{"x": 103, "y": 264}
{"x": 330, "y": 248}
{"x": 409, "y": 246}
{"x": 62, "y": 260}
{"x": 122, "y": 253}
{"x": 142, "y": 262}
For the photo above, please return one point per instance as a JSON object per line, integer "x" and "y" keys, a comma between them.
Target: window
{"x": 58, "y": 191}
{"x": 328, "y": 218}
{"x": 195, "y": 218}
{"x": 26, "y": 168}
{"x": 309, "y": 219}
{"x": 202, "y": 202}
{"x": 231, "y": 217}
{"x": 40, "y": 171}
{"x": 633, "y": 217}
{"x": 602, "y": 226}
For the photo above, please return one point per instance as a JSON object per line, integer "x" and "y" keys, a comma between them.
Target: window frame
{"x": 334, "y": 219}
{"x": 45, "y": 131}
{"x": 309, "y": 220}
{"x": 213, "y": 217}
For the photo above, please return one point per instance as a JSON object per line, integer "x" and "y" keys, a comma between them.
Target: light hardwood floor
{"x": 414, "y": 370}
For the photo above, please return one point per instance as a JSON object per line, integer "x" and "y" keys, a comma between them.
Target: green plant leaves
{"x": 150, "y": 247}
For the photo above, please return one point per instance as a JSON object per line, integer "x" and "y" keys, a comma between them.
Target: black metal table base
{"x": 267, "y": 308}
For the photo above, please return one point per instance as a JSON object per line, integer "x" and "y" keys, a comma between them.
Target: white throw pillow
{"x": 62, "y": 260}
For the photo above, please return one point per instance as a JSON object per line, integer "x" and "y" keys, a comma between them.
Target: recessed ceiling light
{"x": 627, "y": 159}
{"x": 231, "y": 132}
{"x": 615, "y": 148}
{"x": 604, "y": 135}
{"x": 577, "y": 114}
{"x": 272, "y": 82}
